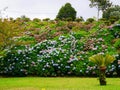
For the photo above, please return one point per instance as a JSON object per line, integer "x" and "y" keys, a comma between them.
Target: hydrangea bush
{"x": 64, "y": 56}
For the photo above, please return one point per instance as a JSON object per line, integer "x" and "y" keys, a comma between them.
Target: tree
{"x": 66, "y": 11}
{"x": 8, "y": 31}
{"x": 112, "y": 12}
{"x": 101, "y": 5}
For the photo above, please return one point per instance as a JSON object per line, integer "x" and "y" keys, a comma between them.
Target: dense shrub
{"x": 115, "y": 30}
{"x": 65, "y": 56}
{"x": 79, "y": 19}
{"x": 46, "y": 19}
{"x": 36, "y": 20}
{"x": 59, "y": 48}
{"x": 113, "y": 11}
{"x": 90, "y": 20}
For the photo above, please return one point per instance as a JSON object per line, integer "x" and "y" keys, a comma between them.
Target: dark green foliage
{"x": 112, "y": 12}
{"x": 112, "y": 20}
{"x": 66, "y": 12}
{"x": 69, "y": 19}
{"x": 36, "y": 20}
{"x": 46, "y": 19}
{"x": 115, "y": 30}
{"x": 79, "y": 19}
{"x": 101, "y": 5}
{"x": 90, "y": 20}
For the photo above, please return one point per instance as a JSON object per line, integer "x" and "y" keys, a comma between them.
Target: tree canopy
{"x": 112, "y": 12}
{"x": 66, "y": 11}
{"x": 101, "y": 5}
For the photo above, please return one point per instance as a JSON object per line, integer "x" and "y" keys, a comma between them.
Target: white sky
{"x": 46, "y": 8}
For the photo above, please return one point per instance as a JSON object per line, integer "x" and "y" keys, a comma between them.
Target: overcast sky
{"x": 46, "y": 8}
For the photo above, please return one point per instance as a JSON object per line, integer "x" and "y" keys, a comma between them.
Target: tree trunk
{"x": 102, "y": 77}
{"x": 98, "y": 14}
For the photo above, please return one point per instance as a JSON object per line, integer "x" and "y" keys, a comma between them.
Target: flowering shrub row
{"x": 65, "y": 56}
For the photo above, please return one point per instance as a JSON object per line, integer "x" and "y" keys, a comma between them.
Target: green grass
{"x": 38, "y": 83}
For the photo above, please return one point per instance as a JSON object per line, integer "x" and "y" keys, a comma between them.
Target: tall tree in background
{"x": 112, "y": 12}
{"x": 66, "y": 11}
{"x": 101, "y": 5}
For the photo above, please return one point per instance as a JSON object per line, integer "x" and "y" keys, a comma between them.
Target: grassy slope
{"x": 36, "y": 83}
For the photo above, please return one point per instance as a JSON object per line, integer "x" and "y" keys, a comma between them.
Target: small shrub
{"x": 36, "y": 20}
{"x": 46, "y": 19}
{"x": 90, "y": 20}
{"x": 79, "y": 19}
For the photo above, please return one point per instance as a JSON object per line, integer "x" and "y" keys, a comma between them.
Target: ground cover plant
{"x": 36, "y": 83}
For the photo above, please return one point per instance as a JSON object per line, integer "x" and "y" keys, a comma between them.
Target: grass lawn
{"x": 39, "y": 83}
